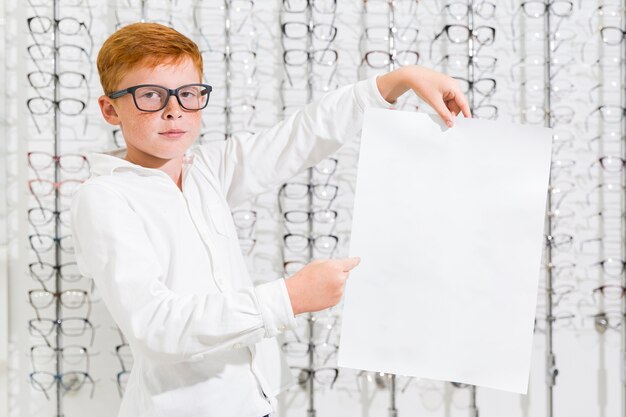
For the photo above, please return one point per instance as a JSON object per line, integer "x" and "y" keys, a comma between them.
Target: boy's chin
{"x": 165, "y": 154}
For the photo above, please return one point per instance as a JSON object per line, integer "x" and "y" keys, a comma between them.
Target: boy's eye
{"x": 188, "y": 93}
{"x": 149, "y": 94}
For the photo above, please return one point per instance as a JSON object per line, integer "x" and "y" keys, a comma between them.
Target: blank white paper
{"x": 449, "y": 225}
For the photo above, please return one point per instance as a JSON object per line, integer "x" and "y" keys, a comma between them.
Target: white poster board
{"x": 449, "y": 225}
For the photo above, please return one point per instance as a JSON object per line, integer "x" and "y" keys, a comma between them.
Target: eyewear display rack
{"x": 234, "y": 37}
{"x": 305, "y": 17}
{"x": 391, "y": 49}
{"x": 62, "y": 381}
{"x": 471, "y": 51}
{"x": 623, "y": 208}
{"x": 551, "y": 369}
{"x": 57, "y": 208}
{"x": 227, "y": 64}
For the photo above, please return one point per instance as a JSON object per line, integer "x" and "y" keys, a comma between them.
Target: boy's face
{"x": 165, "y": 134}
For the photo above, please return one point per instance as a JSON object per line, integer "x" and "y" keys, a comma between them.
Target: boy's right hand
{"x": 319, "y": 285}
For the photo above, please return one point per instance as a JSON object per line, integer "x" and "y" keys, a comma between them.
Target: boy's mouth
{"x": 173, "y": 133}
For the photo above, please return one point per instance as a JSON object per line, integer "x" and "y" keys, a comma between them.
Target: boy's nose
{"x": 172, "y": 109}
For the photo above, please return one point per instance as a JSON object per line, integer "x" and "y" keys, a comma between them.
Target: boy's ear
{"x": 108, "y": 110}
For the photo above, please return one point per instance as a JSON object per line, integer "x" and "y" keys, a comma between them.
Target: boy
{"x": 152, "y": 226}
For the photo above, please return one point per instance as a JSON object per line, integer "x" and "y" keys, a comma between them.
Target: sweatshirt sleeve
{"x": 113, "y": 248}
{"x": 251, "y": 165}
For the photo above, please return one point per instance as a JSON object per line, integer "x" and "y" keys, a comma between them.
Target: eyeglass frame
{"x": 471, "y": 33}
{"x": 56, "y": 269}
{"x": 310, "y": 375}
{"x": 170, "y": 93}
{"x": 60, "y": 352}
{"x": 58, "y": 378}
{"x": 57, "y": 324}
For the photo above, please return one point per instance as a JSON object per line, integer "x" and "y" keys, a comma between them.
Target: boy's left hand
{"x": 440, "y": 91}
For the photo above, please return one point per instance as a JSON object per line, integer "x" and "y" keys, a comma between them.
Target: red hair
{"x": 145, "y": 44}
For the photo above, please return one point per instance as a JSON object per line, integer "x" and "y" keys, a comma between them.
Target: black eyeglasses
{"x": 295, "y": 190}
{"x": 324, "y": 376}
{"x": 72, "y": 299}
{"x": 66, "y": 25}
{"x": 40, "y": 216}
{"x": 483, "y": 35}
{"x": 67, "y": 53}
{"x": 153, "y": 98}
{"x": 44, "y": 243}
{"x": 483, "y": 86}
{"x": 67, "y": 106}
{"x": 43, "y": 271}
{"x": 298, "y": 242}
{"x": 381, "y": 59}
{"x": 300, "y": 30}
{"x": 70, "y": 326}
{"x": 67, "y": 79}
{"x": 73, "y": 355}
{"x": 320, "y": 216}
{"x": 69, "y": 381}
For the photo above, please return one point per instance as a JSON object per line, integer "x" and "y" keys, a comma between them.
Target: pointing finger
{"x": 350, "y": 263}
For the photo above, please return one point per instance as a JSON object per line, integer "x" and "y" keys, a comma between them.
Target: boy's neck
{"x": 172, "y": 167}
